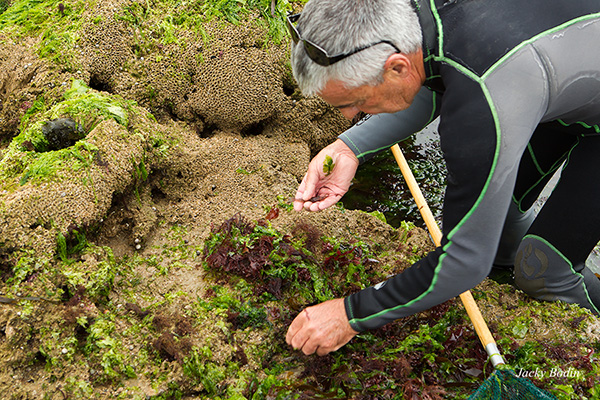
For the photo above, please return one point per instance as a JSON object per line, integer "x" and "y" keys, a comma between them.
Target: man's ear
{"x": 398, "y": 65}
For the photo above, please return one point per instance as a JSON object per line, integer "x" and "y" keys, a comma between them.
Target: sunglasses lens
{"x": 316, "y": 53}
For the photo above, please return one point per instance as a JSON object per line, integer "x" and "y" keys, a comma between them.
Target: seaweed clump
{"x": 276, "y": 263}
{"x": 434, "y": 354}
{"x": 234, "y": 256}
{"x": 403, "y": 357}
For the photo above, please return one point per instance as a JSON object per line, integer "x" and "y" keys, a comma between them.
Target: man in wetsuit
{"x": 517, "y": 88}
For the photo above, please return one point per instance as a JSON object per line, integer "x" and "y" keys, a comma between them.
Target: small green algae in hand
{"x": 328, "y": 165}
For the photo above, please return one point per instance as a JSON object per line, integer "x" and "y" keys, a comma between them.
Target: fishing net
{"x": 505, "y": 385}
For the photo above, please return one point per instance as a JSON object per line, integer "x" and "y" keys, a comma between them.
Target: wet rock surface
{"x": 62, "y": 133}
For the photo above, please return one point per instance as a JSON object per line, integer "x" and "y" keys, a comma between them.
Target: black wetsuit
{"x": 517, "y": 87}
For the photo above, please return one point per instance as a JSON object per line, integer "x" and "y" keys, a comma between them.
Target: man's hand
{"x": 322, "y": 328}
{"x": 328, "y": 178}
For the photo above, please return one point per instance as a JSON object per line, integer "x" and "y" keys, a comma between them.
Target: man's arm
{"x": 485, "y": 126}
{"x": 379, "y": 132}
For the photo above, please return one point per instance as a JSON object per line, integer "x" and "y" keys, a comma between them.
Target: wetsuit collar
{"x": 428, "y": 26}
{"x": 430, "y": 44}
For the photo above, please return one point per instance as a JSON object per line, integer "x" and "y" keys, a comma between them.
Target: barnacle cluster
{"x": 216, "y": 77}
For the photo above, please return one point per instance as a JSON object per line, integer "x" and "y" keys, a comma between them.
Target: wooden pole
{"x": 467, "y": 298}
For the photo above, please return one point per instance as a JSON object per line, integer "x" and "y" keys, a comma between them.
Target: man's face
{"x": 386, "y": 97}
{"x": 403, "y": 77}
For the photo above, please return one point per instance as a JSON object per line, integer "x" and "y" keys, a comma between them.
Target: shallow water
{"x": 379, "y": 185}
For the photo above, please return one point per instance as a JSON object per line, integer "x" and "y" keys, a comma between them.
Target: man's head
{"x": 370, "y": 36}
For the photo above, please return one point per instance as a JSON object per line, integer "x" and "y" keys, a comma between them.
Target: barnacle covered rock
{"x": 23, "y": 77}
{"x": 46, "y": 193}
{"x": 214, "y": 75}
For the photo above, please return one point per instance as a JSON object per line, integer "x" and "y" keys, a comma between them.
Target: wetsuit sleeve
{"x": 379, "y": 132}
{"x": 485, "y": 124}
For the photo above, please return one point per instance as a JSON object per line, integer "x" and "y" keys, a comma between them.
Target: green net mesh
{"x": 505, "y": 385}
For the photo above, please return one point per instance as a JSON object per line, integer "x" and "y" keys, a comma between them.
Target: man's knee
{"x": 531, "y": 269}
{"x": 544, "y": 273}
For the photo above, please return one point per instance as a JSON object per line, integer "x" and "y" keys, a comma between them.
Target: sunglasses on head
{"x": 316, "y": 53}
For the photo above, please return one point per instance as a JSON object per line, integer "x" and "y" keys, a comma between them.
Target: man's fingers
{"x": 321, "y": 205}
{"x": 299, "y": 334}
{"x": 298, "y": 205}
{"x": 300, "y": 190}
{"x": 298, "y": 202}
{"x": 313, "y": 345}
{"x": 299, "y": 341}
{"x": 309, "y": 347}
{"x": 319, "y": 346}
{"x": 310, "y": 183}
{"x": 292, "y": 330}
{"x": 325, "y": 203}
{"x": 295, "y": 327}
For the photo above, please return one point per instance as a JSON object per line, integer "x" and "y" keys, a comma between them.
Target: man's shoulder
{"x": 478, "y": 33}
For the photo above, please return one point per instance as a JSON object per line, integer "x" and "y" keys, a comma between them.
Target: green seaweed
{"x": 105, "y": 348}
{"x": 97, "y": 280}
{"x": 271, "y": 13}
{"x": 76, "y": 244}
{"x": 28, "y": 157}
{"x": 57, "y": 23}
{"x": 328, "y": 165}
{"x": 100, "y": 327}
{"x": 169, "y": 18}
{"x": 4, "y": 4}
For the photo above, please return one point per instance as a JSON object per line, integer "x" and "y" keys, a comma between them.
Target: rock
{"x": 62, "y": 133}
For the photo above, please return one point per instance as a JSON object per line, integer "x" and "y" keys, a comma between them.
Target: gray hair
{"x": 340, "y": 26}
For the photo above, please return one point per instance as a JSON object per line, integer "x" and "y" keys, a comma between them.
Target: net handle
{"x": 467, "y": 298}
